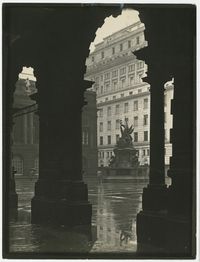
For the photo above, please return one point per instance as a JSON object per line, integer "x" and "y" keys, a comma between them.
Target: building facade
{"x": 121, "y": 92}
{"x": 25, "y": 144}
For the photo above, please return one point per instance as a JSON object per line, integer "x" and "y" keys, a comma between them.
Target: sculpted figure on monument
{"x": 126, "y": 132}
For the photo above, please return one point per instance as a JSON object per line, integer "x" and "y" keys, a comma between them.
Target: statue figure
{"x": 126, "y": 132}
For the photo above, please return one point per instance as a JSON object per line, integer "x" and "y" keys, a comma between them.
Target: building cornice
{"x": 115, "y": 60}
{"x": 102, "y": 45}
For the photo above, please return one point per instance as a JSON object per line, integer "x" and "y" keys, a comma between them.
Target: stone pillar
{"x": 61, "y": 196}
{"x": 150, "y": 219}
{"x": 168, "y": 221}
{"x": 181, "y": 199}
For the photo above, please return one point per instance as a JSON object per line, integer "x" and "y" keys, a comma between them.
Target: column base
{"x": 61, "y": 203}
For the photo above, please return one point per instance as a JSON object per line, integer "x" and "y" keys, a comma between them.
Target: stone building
{"x": 121, "y": 92}
{"x": 25, "y": 144}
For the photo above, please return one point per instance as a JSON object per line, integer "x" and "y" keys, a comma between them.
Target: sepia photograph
{"x": 99, "y": 131}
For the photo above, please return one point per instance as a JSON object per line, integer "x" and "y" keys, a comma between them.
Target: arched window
{"x": 17, "y": 163}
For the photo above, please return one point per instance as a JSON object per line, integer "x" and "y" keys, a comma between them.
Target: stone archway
{"x": 60, "y": 189}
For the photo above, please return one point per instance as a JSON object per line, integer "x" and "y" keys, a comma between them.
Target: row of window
{"x": 139, "y": 90}
{"x": 126, "y": 108}
{"x": 121, "y": 48}
{"x": 135, "y": 138}
{"x": 122, "y": 83}
{"x": 117, "y": 123}
{"x": 120, "y": 72}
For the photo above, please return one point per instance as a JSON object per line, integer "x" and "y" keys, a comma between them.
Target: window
{"x": 101, "y": 77}
{"x": 101, "y": 140}
{"x": 101, "y": 112}
{"x": 145, "y": 120}
{"x": 113, "y": 50}
{"x": 106, "y": 99}
{"x": 114, "y": 73}
{"x": 145, "y": 135}
{"x": 135, "y": 105}
{"x": 140, "y": 77}
{"x": 135, "y": 136}
{"x": 114, "y": 97}
{"x": 115, "y": 85}
{"x": 140, "y": 90}
{"x": 131, "y": 80}
{"x": 17, "y": 163}
{"x": 123, "y": 81}
{"x": 107, "y": 76}
{"x": 137, "y": 40}
{"x": 109, "y": 111}
{"x": 121, "y": 47}
{"x": 101, "y": 90}
{"x": 123, "y": 71}
{"x": 92, "y": 58}
{"x": 122, "y": 95}
{"x": 107, "y": 87}
{"x": 117, "y": 125}
{"x": 85, "y": 137}
{"x": 108, "y": 154}
{"x": 117, "y": 138}
{"x": 145, "y": 103}
{"x": 143, "y": 152}
{"x": 148, "y": 152}
{"x": 131, "y": 68}
{"x": 102, "y": 55}
{"x": 109, "y": 140}
{"x": 116, "y": 109}
{"x": 130, "y": 93}
{"x": 126, "y": 108}
{"x": 101, "y": 127}
{"x": 97, "y": 79}
{"x": 129, "y": 44}
{"x": 135, "y": 123}
{"x": 102, "y": 154}
{"x": 140, "y": 65}
{"x": 109, "y": 125}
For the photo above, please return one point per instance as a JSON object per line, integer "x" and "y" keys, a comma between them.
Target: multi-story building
{"x": 121, "y": 92}
{"x": 25, "y": 153}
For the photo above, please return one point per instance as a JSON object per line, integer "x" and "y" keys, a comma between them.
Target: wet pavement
{"x": 115, "y": 206}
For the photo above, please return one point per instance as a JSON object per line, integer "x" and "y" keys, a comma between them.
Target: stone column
{"x": 181, "y": 199}
{"x": 61, "y": 196}
{"x": 150, "y": 219}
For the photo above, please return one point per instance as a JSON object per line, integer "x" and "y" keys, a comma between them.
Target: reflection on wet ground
{"x": 115, "y": 206}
